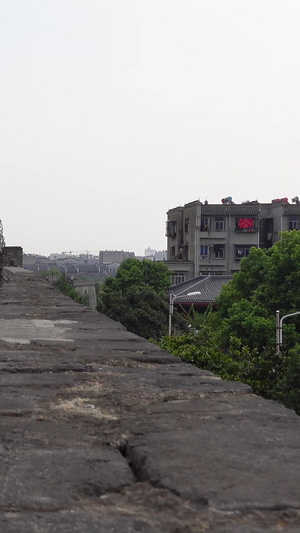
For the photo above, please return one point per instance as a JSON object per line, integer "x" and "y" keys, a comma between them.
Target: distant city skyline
{"x": 91, "y": 252}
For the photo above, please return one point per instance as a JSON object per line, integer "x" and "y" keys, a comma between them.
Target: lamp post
{"x": 172, "y": 300}
{"x": 171, "y": 305}
{"x": 279, "y": 328}
{"x": 171, "y": 310}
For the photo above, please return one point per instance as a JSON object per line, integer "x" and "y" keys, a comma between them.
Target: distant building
{"x": 110, "y": 260}
{"x": 114, "y": 256}
{"x": 160, "y": 255}
{"x": 211, "y": 239}
{"x": 29, "y": 260}
{"x": 35, "y": 262}
{"x": 154, "y": 255}
{"x": 55, "y": 257}
{"x": 112, "y": 269}
{"x": 79, "y": 267}
{"x": 149, "y": 251}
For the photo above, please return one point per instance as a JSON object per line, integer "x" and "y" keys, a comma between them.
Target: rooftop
{"x": 227, "y": 205}
{"x": 207, "y": 287}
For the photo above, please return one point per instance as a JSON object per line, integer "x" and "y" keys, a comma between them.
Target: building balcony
{"x": 246, "y": 230}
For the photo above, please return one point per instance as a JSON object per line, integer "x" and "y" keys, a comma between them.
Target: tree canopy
{"x": 238, "y": 340}
{"x": 136, "y": 297}
{"x": 268, "y": 280}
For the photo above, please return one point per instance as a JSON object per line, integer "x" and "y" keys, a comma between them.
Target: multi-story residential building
{"x": 211, "y": 239}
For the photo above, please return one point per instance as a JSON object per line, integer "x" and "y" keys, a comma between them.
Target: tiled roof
{"x": 88, "y": 268}
{"x": 238, "y": 209}
{"x": 291, "y": 209}
{"x": 71, "y": 269}
{"x": 209, "y": 287}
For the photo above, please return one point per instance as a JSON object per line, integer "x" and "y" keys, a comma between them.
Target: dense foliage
{"x": 238, "y": 341}
{"x": 268, "y": 280}
{"x": 66, "y": 286}
{"x": 272, "y": 376}
{"x": 136, "y": 297}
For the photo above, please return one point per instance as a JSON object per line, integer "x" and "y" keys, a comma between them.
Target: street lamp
{"x": 279, "y": 328}
{"x": 171, "y": 305}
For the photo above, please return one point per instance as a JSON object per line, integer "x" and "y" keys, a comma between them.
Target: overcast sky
{"x": 114, "y": 111}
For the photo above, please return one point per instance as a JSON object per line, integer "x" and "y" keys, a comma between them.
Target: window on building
{"x": 242, "y": 250}
{"x": 178, "y": 278}
{"x": 171, "y": 229}
{"x": 186, "y": 225}
{"x": 204, "y": 251}
{"x": 219, "y": 224}
{"x": 184, "y": 252}
{"x": 219, "y": 251}
{"x": 204, "y": 225}
{"x": 172, "y": 253}
{"x": 293, "y": 223}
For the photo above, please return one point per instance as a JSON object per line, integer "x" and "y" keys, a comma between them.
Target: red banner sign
{"x": 245, "y": 223}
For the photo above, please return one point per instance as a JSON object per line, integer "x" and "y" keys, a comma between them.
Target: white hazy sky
{"x": 114, "y": 111}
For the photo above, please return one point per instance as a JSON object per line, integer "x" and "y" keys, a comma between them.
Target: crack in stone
{"x": 137, "y": 468}
{"x": 254, "y": 506}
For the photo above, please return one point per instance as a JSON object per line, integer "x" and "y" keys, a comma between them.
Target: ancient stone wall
{"x": 104, "y": 432}
{"x": 11, "y": 256}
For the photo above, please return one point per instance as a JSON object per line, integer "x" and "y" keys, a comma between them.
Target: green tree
{"x": 2, "y": 240}
{"x": 133, "y": 272}
{"x": 238, "y": 341}
{"x": 66, "y": 287}
{"x": 245, "y": 282}
{"x": 288, "y": 379}
{"x": 250, "y": 323}
{"x": 136, "y": 297}
{"x": 268, "y": 280}
{"x": 200, "y": 348}
{"x": 280, "y": 287}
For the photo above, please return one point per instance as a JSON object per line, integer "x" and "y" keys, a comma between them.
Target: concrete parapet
{"x": 102, "y": 431}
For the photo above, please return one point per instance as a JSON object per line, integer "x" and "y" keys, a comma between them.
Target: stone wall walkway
{"x": 104, "y": 432}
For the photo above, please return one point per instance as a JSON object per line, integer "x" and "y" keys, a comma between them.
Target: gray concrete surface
{"x": 101, "y": 431}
